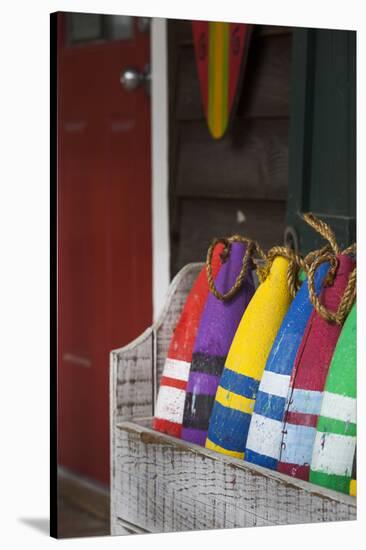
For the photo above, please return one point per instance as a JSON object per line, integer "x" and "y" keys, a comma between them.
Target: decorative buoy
{"x": 170, "y": 402}
{"x": 335, "y": 440}
{"x": 265, "y": 430}
{"x": 235, "y": 396}
{"x": 217, "y": 328}
{"x": 221, "y": 52}
{"x": 308, "y": 378}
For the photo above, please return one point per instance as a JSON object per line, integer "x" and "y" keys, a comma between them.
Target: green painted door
{"x": 322, "y": 152}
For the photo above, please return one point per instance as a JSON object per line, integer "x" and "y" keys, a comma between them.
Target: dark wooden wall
{"x": 237, "y": 184}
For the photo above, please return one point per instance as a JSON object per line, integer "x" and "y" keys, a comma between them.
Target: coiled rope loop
{"x": 296, "y": 262}
{"x": 309, "y": 264}
{"x": 329, "y": 254}
{"x": 251, "y": 249}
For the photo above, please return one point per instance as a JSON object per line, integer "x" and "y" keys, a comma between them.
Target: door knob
{"x": 131, "y": 78}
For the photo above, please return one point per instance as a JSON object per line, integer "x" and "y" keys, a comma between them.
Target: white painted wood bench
{"x": 159, "y": 483}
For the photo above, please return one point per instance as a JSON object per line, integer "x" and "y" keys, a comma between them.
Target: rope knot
{"x": 329, "y": 254}
{"x": 296, "y": 262}
{"x": 252, "y": 247}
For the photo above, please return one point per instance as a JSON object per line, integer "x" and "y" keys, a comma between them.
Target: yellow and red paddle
{"x": 221, "y": 52}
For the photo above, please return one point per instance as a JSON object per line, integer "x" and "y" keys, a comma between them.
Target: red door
{"x": 104, "y": 225}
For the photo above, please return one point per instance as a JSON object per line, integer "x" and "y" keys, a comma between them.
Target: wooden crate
{"x": 159, "y": 483}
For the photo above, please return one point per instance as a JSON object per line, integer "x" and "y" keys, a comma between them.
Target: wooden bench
{"x": 159, "y": 483}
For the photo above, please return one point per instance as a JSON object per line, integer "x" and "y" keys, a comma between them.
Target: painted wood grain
{"x": 252, "y": 160}
{"x": 263, "y": 220}
{"x": 164, "y": 485}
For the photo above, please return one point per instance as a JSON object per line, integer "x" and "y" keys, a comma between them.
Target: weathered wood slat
{"x": 169, "y": 485}
{"x": 122, "y": 527}
{"x": 132, "y": 375}
{"x": 266, "y": 91}
{"x": 262, "y": 220}
{"x": 271, "y": 30}
{"x": 256, "y": 152}
{"x": 181, "y": 30}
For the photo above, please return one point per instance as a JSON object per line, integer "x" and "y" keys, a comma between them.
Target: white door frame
{"x": 159, "y": 148}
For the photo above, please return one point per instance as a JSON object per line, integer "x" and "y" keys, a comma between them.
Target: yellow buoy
{"x": 235, "y": 397}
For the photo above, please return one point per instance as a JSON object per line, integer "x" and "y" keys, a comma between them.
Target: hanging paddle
{"x": 221, "y": 51}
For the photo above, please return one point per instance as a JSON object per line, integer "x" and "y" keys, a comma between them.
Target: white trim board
{"x": 159, "y": 148}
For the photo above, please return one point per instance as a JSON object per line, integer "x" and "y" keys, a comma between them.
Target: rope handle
{"x": 347, "y": 299}
{"x": 252, "y": 248}
{"x": 296, "y": 262}
{"x": 308, "y": 264}
{"x": 323, "y": 229}
{"x": 329, "y": 254}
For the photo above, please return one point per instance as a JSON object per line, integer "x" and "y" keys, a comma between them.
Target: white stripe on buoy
{"x": 339, "y": 407}
{"x": 174, "y": 368}
{"x": 334, "y": 453}
{"x": 170, "y": 404}
{"x": 274, "y": 383}
{"x": 264, "y": 436}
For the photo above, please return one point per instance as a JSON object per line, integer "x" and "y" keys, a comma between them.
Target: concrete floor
{"x": 73, "y": 521}
{"x": 83, "y": 507}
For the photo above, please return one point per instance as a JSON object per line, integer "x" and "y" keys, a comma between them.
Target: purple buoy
{"x": 217, "y": 328}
